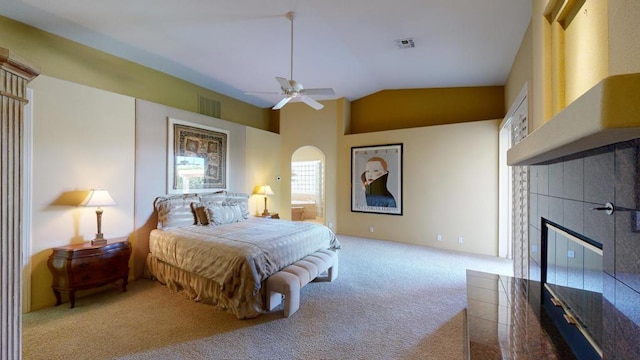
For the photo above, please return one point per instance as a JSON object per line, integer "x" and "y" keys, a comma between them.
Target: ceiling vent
{"x": 405, "y": 43}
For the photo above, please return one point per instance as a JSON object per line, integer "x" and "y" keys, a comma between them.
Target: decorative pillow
{"x": 242, "y": 205}
{"x": 224, "y": 214}
{"x": 213, "y": 198}
{"x": 200, "y": 213}
{"x": 174, "y": 212}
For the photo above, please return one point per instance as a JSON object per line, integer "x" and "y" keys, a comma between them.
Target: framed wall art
{"x": 197, "y": 158}
{"x": 376, "y": 179}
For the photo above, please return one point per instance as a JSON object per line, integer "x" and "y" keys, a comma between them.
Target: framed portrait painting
{"x": 376, "y": 179}
{"x": 197, "y": 158}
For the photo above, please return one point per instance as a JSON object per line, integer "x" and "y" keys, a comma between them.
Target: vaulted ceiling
{"x": 238, "y": 46}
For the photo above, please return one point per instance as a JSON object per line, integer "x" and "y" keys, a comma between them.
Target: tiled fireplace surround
{"x": 564, "y": 191}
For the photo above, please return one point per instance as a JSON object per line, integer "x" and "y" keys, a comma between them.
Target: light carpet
{"x": 390, "y": 301}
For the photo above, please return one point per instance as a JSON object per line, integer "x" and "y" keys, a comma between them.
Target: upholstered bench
{"x": 288, "y": 281}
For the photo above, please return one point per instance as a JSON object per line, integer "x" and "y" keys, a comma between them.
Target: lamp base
{"x": 265, "y": 212}
{"x": 99, "y": 240}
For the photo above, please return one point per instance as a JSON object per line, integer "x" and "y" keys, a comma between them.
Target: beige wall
{"x": 450, "y": 184}
{"x": 445, "y": 164}
{"x": 263, "y": 166}
{"x": 82, "y": 138}
{"x": 301, "y": 126}
{"x": 624, "y": 37}
{"x": 521, "y": 73}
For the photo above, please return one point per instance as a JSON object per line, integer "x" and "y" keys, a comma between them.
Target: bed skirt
{"x": 204, "y": 290}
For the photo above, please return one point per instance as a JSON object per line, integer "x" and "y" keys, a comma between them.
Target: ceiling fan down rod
{"x": 291, "y": 15}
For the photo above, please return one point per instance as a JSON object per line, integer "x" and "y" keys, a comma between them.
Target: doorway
{"x": 308, "y": 185}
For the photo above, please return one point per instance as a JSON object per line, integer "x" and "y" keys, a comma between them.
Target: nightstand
{"x": 85, "y": 266}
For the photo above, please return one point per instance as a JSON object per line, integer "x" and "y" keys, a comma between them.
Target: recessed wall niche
{"x": 576, "y": 41}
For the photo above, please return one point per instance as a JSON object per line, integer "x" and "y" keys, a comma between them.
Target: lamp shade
{"x": 264, "y": 190}
{"x": 97, "y": 198}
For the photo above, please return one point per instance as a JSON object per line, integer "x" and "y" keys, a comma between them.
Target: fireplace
{"x": 564, "y": 197}
{"x": 584, "y": 157}
{"x": 572, "y": 286}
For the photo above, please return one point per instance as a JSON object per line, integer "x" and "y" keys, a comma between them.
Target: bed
{"x": 208, "y": 247}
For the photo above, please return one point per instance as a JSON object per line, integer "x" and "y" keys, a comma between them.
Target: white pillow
{"x": 242, "y": 204}
{"x": 174, "y": 212}
{"x": 224, "y": 214}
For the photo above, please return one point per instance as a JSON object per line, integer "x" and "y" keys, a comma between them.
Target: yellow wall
{"x": 263, "y": 166}
{"x": 540, "y": 97}
{"x": 586, "y": 49}
{"x": 624, "y": 36}
{"x": 408, "y": 108}
{"x": 65, "y": 59}
{"x": 521, "y": 72}
{"x": 571, "y": 50}
{"x": 82, "y": 138}
{"x": 300, "y": 125}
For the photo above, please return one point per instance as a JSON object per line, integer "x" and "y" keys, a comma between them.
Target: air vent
{"x": 407, "y": 43}
{"x": 209, "y": 107}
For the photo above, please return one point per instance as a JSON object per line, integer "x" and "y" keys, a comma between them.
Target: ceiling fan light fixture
{"x": 292, "y": 89}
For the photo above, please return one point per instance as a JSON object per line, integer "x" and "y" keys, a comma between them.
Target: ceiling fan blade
{"x": 321, "y": 91}
{"x": 282, "y": 103}
{"x": 309, "y": 101}
{"x": 284, "y": 83}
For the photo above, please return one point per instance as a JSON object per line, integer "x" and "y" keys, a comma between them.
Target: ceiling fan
{"x": 292, "y": 89}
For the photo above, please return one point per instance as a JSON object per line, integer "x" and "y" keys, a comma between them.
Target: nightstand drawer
{"x": 84, "y": 271}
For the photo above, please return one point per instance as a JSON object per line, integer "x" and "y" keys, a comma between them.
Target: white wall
{"x": 85, "y": 138}
{"x": 82, "y": 138}
{"x": 151, "y": 164}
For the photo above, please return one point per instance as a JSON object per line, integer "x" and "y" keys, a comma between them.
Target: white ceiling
{"x": 238, "y": 46}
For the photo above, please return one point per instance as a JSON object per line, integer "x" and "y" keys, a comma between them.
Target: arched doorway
{"x": 307, "y": 185}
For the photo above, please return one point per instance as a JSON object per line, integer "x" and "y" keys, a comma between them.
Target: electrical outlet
{"x": 439, "y": 237}
{"x": 460, "y": 240}
{"x": 330, "y": 225}
{"x": 371, "y": 229}
{"x": 571, "y": 254}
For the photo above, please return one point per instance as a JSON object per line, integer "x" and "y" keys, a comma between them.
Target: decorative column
{"x": 15, "y": 73}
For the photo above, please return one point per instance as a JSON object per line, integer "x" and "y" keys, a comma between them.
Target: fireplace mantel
{"x": 608, "y": 113}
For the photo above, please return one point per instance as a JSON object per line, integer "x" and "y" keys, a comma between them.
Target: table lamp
{"x": 98, "y": 198}
{"x": 266, "y": 191}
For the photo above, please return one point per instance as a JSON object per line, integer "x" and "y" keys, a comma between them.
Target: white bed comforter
{"x": 241, "y": 255}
